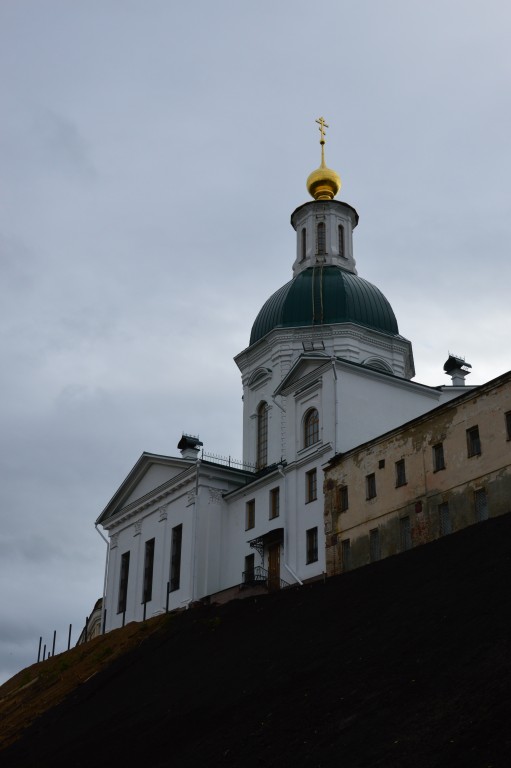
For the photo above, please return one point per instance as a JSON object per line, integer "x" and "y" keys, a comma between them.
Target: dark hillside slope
{"x": 403, "y": 663}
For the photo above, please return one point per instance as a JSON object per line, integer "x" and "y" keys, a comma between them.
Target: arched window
{"x": 311, "y": 428}
{"x": 321, "y": 237}
{"x": 379, "y": 365}
{"x": 341, "y": 240}
{"x": 262, "y": 435}
{"x": 304, "y": 245}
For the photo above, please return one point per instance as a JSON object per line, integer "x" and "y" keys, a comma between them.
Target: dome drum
{"x": 334, "y": 245}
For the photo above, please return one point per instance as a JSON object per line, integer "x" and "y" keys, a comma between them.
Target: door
{"x": 274, "y": 567}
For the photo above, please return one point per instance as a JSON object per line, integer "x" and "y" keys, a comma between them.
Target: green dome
{"x": 322, "y": 296}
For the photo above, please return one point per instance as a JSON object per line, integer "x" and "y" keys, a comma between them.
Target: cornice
{"x": 250, "y": 355}
{"x": 171, "y": 487}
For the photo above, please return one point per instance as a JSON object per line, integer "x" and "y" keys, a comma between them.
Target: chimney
{"x": 457, "y": 369}
{"x": 189, "y": 445}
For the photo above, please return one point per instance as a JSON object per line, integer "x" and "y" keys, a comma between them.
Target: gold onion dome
{"x": 323, "y": 183}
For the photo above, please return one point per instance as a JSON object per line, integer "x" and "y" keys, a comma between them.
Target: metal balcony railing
{"x": 260, "y": 577}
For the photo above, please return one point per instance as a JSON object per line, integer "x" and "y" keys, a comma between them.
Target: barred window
{"x": 274, "y": 503}
{"x": 341, "y": 240}
{"x": 262, "y": 435}
{"x": 406, "y": 533}
{"x": 321, "y": 237}
{"x": 311, "y": 428}
{"x": 248, "y": 573}
{"x": 250, "y": 514}
{"x": 473, "y": 442}
{"x": 444, "y": 518}
{"x": 370, "y": 486}
{"x": 374, "y": 545}
{"x": 147, "y": 590}
{"x": 303, "y": 253}
{"x": 343, "y": 500}
{"x": 481, "y": 504}
{"x": 400, "y": 473}
{"x": 123, "y": 583}
{"x": 175, "y": 557}
{"x": 312, "y": 545}
{"x": 438, "y": 457}
{"x": 311, "y": 485}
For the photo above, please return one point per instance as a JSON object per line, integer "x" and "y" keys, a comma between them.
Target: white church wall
{"x": 157, "y": 523}
{"x": 370, "y": 404}
{"x": 304, "y": 515}
{"x": 210, "y": 511}
{"x": 296, "y": 516}
{"x": 235, "y": 541}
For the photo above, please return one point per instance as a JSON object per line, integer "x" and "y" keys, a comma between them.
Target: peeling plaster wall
{"x": 425, "y": 489}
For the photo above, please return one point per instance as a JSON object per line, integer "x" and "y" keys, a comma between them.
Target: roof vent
{"x": 189, "y": 445}
{"x": 457, "y": 369}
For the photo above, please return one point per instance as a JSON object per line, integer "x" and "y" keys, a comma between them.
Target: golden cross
{"x": 322, "y": 126}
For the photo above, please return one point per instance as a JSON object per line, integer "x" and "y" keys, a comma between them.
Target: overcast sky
{"x": 151, "y": 154}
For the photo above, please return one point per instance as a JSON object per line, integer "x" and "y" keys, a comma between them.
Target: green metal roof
{"x": 325, "y": 295}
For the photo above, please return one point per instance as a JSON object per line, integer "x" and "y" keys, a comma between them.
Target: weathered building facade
{"x": 432, "y": 476}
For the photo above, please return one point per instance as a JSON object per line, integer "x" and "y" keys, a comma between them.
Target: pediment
{"x": 303, "y": 370}
{"x": 149, "y": 473}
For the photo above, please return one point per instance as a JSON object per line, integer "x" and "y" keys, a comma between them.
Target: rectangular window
{"x": 400, "y": 473}
{"x": 248, "y": 574}
{"x": 374, "y": 545}
{"x": 274, "y": 503}
{"x": 250, "y": 514}
{"x": 175, "y": 558}
{"x": 304, "y": 245}
{"x": 406, "y": 533}
{"x": 481, "y": 505}
{"x": 312, "y": 545}
{"x": 508, "y": 425}
{"x": 311, "y": 486}
{"x": 123, "y": 582}
{"x": 346, "y": 554}
{"x": 147, "y": 591}
{"x": 370, "y": 486}
{"x": 343, "y": 500}
{"x": 444, "y": 518}
{"x": 473, "y": 442}
{"x": 438, "y": 457}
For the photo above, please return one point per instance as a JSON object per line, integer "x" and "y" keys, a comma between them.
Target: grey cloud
{"x": 145, "y": 219}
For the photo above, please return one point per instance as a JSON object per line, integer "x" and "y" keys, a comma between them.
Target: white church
{"x": 325, "y": 370}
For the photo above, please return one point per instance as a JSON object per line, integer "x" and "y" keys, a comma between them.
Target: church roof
{"x": 325, "y": 295}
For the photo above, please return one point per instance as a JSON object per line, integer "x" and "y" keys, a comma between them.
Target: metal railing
{"x": 227, "y": 461}
{"x": 260, "y": 577}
